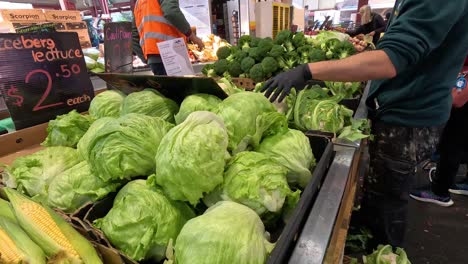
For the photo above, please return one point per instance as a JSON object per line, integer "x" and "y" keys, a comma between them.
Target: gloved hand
{"x": 282, "y": 83}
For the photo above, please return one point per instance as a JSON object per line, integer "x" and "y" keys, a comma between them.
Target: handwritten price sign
{"x": 118, "y": 47}
{"x": 42, "y": 76}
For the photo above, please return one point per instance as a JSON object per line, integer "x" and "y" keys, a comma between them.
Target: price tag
{"x": 43, "y": 75}
{"x": 174, "y": 55}
{"x": 118, "y": 47}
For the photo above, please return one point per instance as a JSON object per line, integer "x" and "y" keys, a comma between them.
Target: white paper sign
{"x": 175, "y": 57}
{"x": 197, "y": 13}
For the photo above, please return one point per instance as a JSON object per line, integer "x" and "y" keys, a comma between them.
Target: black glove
{"x": 282, "y": 83}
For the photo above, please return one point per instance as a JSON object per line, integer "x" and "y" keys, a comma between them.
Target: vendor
{"x": 414, "y": 68}
{"x": 371, "y": 23}
{"x": 158, "y": 21}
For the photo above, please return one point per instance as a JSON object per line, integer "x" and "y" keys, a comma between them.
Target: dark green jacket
{"x": 427, "y": 41}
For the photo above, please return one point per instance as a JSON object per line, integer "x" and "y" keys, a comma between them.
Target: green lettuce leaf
{"x": 33, "y": 173}
{"x": 123, "y": 148}
{"x": 66, "y": 130}
{"x": 77, "y": 186}
{"x": 106, "y": 104}
{"x": 257, "y": 181}
{"x": 226, "y": 233}
{"x": 197, "y": 102}
{"x": 243, "y": 115}
{"x": 190, "y": 160}
{"x": 143, "y": 220}
{"x": 150, "y": 102}
{"x": 293, "y": 151}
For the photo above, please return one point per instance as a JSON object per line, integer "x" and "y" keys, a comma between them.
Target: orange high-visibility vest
{"x": 152, "y": 26}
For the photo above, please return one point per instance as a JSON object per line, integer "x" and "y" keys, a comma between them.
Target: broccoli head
{"x": 208, "y": 70}
{"x": 303, "y": 53}
{"x": 316, "y": 55}
{"x": 266, "y": 44}
{"x": 221, "y": 66}
{"x": 283, "y": 36}
{"x": 257, "y": 53}
{"x": 244, "y": 42}
{"x": 269, "y": 66}
{"x": 299, "y": 40}
{"x": 256, "y": 73}
{"x": 277, "y": 51}
{"x": 223, "y": 52}
{"x": 247, "y": 63}
{"x": 254, "y": 42}
{"x": 343, "y": 50}
{"x": 235, "y": 69}
{"x": 240, "y": 55}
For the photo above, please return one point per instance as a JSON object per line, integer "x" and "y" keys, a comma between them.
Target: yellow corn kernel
{"x": 44, "y": 222}
{"x": 8, "y": 250}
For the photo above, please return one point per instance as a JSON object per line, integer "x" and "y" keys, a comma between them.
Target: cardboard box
{"x": 31, "y": 15}
{"x": 62, "y": 16}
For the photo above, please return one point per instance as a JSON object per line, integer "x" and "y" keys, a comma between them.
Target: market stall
{"x": 81, "y": 151}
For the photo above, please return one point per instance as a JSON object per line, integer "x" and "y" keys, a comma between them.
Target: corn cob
{"x": 15, "y": 245}
{"x": 56, "y": 237}
{"x": 6, "y": 211}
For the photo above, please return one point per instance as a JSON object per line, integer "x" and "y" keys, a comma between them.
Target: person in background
{"x": 370, "y": 23}
{"x": 452, "y": 150}
{"x": 158, "y": 21}
{"x": 413, "y": 71}
{"x": 136, "y": 42}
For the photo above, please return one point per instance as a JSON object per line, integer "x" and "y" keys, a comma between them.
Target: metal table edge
{"x": 313, "y": 241}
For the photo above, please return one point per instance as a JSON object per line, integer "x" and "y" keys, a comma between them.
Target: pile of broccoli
{"x": 260, "y": 59}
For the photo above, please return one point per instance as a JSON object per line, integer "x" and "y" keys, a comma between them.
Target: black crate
{"x": 323, "y": 152}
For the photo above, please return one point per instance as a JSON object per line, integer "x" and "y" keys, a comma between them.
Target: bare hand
{"x": 197, "y": 41}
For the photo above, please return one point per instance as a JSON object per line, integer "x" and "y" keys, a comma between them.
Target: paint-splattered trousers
{"x": 395, "y": 154}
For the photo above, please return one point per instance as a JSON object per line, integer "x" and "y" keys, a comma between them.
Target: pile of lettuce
{"x": 195, "y": 182}
{"x": 318, "y": 108}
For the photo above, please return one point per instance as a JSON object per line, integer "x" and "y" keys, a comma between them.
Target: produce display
{"x": 94, "y": 60}
{"x": 205, "y": 172}
{"x": 260, "y": 59}
{"x": 39, "y": 234}
{"x": 212, "y": 44}
{"x": 226, "y": 152}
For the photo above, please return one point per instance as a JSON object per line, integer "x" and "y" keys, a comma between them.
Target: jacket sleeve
{"x": 172, "y": 12}
{"x": 420, "y": 27}
{"x": 379, "y": 24}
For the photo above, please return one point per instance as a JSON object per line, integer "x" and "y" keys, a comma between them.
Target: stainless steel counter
{"x": 313, "y": 242}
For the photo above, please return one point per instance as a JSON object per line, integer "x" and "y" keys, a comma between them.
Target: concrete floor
{"x": 438, "y": 235}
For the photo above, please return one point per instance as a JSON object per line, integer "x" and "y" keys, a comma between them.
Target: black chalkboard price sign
{"x": 118, "y": 47}
{"x": 43, "y": 75}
